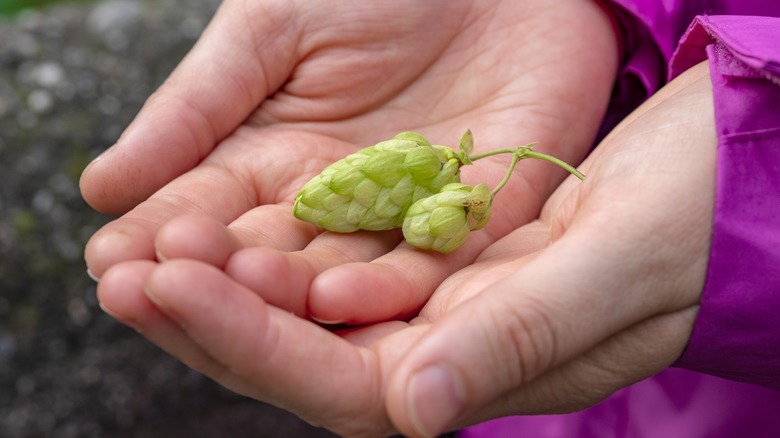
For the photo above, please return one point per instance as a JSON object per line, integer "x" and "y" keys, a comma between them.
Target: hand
{"x": 600, "y": 292}
{"x": 275, "y": 91}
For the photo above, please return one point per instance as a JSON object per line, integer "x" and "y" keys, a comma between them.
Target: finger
{"x": 132, "y": 236}
{"x": 253, "y": 167}
{"x": 121, "y": 295}
{"x": 622, "y": 360}
{"x": 116, "y": 295}
{"x": 197, "y": 237}
{"x": 204, "y": 238}
{"x": 273, "y": 226}
{"x": 288, "y": 361}
{"x": 333, "y": 282}
{"x": 198, "y": 106}
{"x": 394, "y": 286}
{"x": 532, "y": 321}
{"x": 283, "y": 279}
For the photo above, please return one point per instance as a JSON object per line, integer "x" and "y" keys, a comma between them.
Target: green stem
{"x": 476, "y": 157}
{"x": 515, "y": 159}
{"x": 526, "y": 151}
{"x": 532, "y": 154}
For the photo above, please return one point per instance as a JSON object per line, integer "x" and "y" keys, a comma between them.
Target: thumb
{"x": 520, "y": 327}
{"x": 208, "y": 95}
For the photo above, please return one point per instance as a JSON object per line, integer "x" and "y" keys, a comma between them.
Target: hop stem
{"x": 522, "y": 152}
{"x": 515, "y": 159}
{"x": 533, "y": 154}
{"x": 476, "y": 157}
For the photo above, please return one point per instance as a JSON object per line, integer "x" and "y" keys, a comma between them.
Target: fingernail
{"x": 170, "y": 313}
{"x": 93, "y": 276}
{"x": 327, "y": 321}
{"x": 126, "y": 321}
{"x": 435, "y": 398}
{"x": 102, "y": 155}
{"x": 160, "y": 258}
{"x": 109, "y": 150}
{"x": 153, "y": 298}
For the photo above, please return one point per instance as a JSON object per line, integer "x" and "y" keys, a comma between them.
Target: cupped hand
{"x": 275, "y": 91}
{"x": 598, "y": 293}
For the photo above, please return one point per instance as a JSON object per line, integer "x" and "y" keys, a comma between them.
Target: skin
{"x": 600, "y": 292}
{"x": 223, "y": 147}
{"x": 493, "y": 328}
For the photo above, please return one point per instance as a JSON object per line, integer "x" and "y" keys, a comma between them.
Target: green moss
{"x": 25, "y": 224}
{"x": 76, "y": 162}
{"x": 8, "y": 7}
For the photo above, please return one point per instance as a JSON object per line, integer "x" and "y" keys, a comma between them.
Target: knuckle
{"x": 526, "y": 340}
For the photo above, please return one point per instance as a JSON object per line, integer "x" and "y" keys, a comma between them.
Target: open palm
{"x": 275, "y": 91}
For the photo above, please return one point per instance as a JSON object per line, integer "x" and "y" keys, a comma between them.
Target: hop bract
{"x": 442, "y": 222}
{"x": 373, "y": 188}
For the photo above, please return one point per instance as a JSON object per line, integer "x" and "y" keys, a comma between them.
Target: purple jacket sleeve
{"x": 737, "y": 332}
{"x": 652, "y": 30}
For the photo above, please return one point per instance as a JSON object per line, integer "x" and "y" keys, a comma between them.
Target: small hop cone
{"x": 373, "y": 188}
{"x": 442, "y": 222}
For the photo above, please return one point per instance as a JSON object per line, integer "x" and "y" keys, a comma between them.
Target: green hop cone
{"x": 373, "y": 188}
{"x": 442, "y": 222}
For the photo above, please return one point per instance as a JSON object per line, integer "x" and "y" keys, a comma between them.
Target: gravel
{"x": 71, "y": 78}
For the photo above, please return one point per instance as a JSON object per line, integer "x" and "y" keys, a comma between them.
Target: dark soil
{"x": 71, "y": 78}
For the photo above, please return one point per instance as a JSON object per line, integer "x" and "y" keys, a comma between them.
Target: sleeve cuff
{"x": 737, "y": 331}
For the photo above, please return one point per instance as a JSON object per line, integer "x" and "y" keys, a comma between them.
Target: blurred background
{"x": 72, "y": 76}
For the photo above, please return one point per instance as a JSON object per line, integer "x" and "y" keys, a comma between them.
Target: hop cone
{"x": 442, "y": 221}
{"x": 373, "y": 188}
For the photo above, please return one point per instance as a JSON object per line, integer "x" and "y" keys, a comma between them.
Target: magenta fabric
{"x": 667, "y": 20}
{"x": 737, "y": 331}
{"x": 674, "y": 404}
{"x": 652, "y": 31}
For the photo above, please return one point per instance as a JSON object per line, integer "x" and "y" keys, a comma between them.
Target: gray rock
{"x": 48, "y": 74}
{"x": 114, "y": 16}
